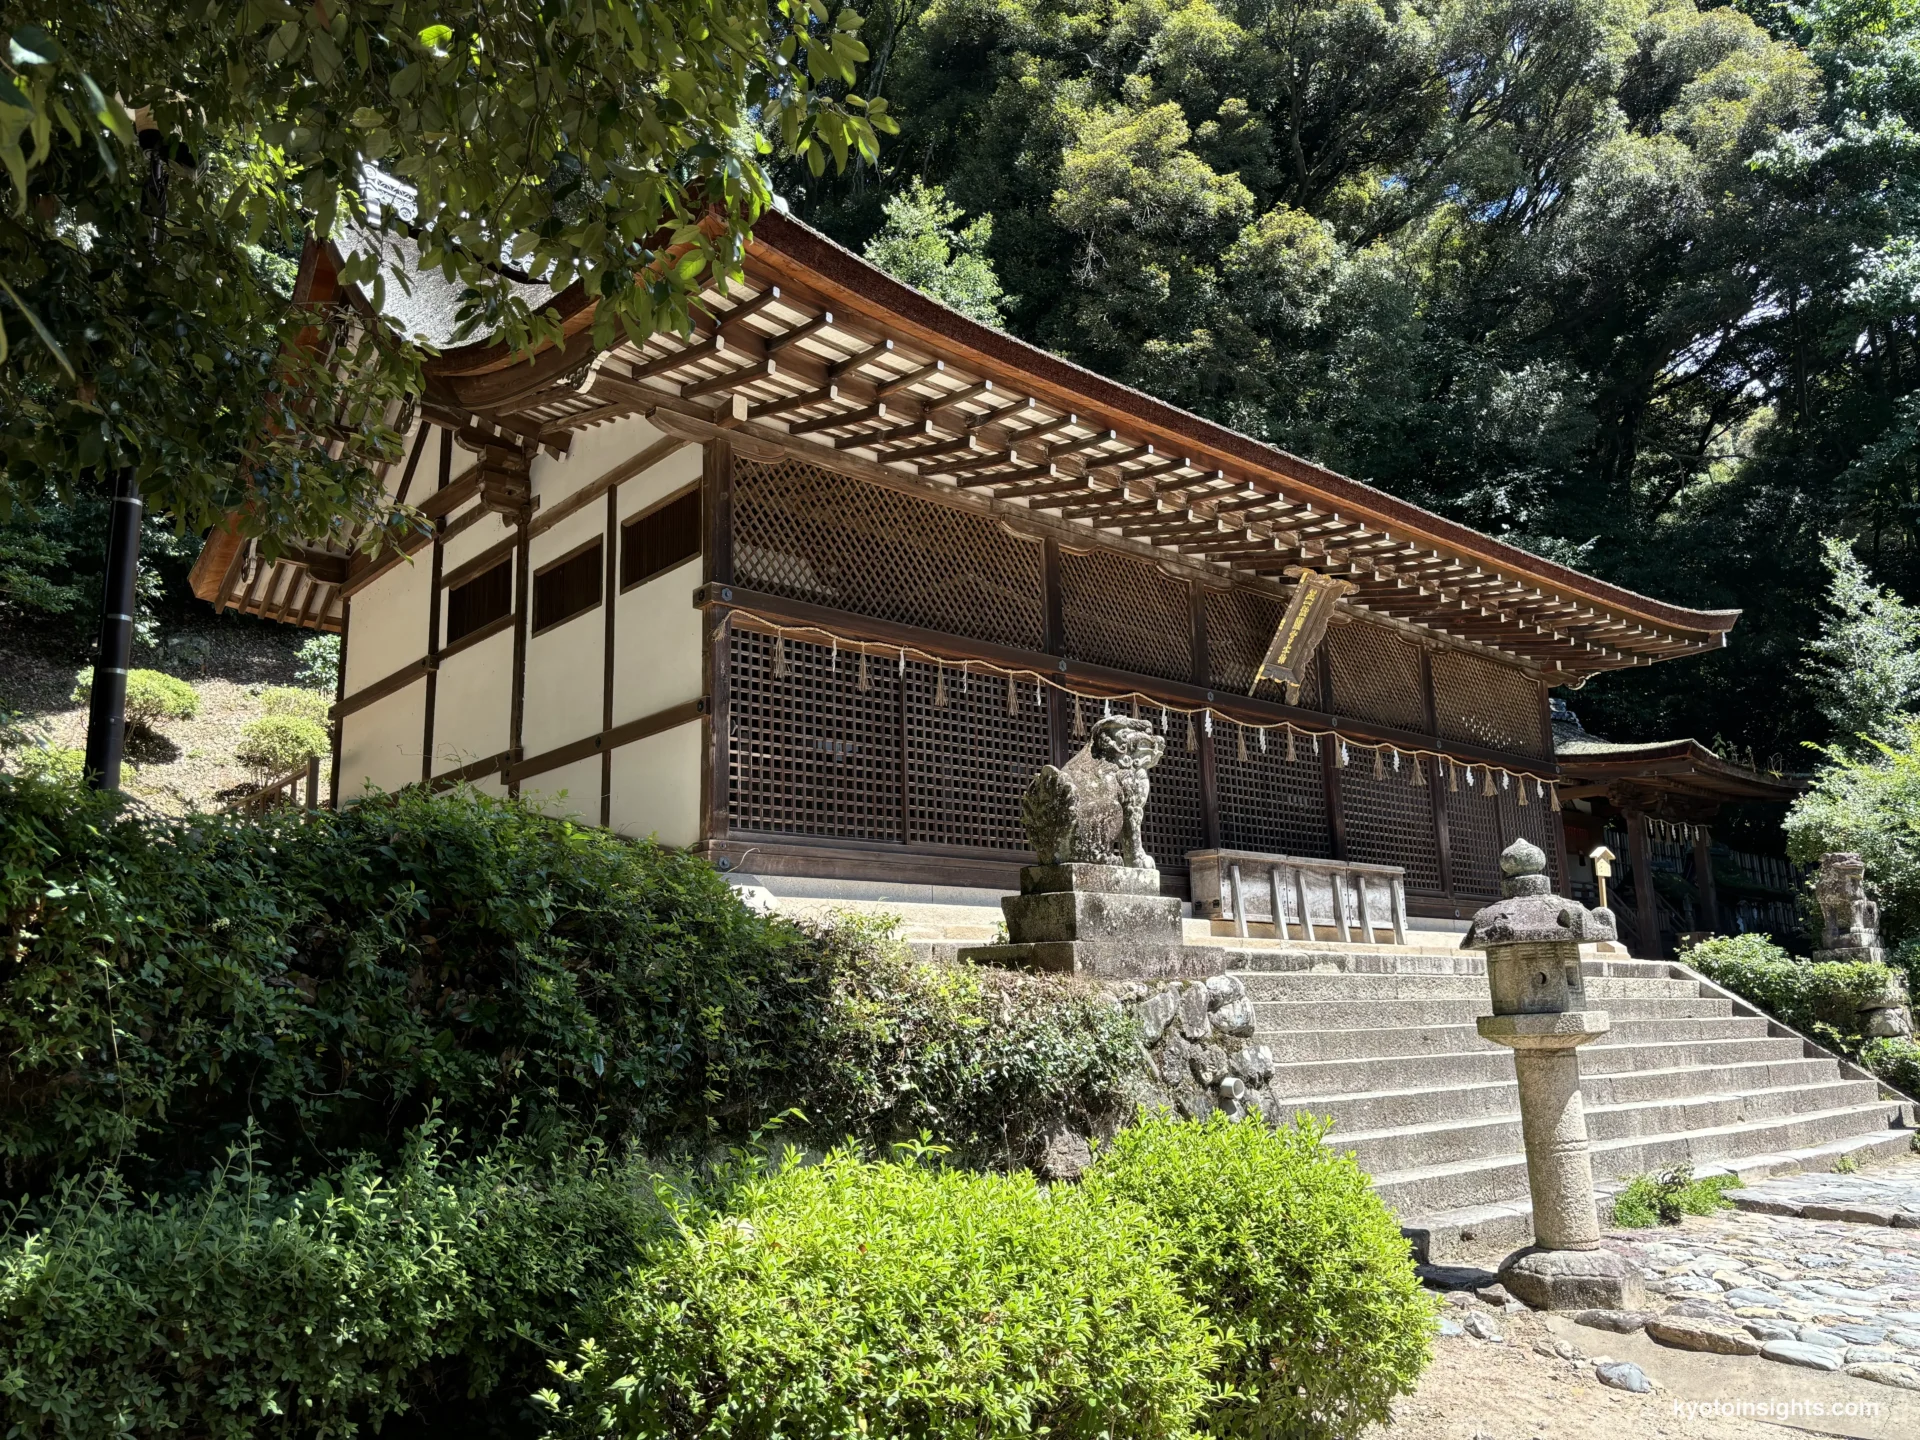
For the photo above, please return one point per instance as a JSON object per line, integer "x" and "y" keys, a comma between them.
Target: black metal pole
{"x": 107, "y": 716}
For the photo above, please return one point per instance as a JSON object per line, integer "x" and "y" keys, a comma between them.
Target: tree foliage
{"x": 1633, "y": 283}
{"x": 163, "y": 162}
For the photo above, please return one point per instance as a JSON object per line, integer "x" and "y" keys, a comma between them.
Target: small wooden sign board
{"x": 1300, "y": 632}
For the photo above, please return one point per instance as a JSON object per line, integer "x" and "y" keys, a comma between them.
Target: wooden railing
{"x": 1298, "y": 898}
{"x": 284, "y": 790}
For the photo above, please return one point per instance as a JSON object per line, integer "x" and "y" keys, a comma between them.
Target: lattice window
{"x": 1172, "y": 826}
{"x": 1240, "y": 626}
{"x": 1376, "y": 676}
{"x": 1533, "y": 821}
{"x": 1491, "y": 704}
{"x": 1269, "y": 803}
{"x": 1126, "y": 613}
{"x": 969, "y": 761}
{"x": 811, "y": 534}
{"x": 1390, "y": 821}
{"x": 809, "y": 752}
{"x": 1474, "y": 837}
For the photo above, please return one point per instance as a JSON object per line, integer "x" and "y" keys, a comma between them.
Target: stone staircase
{"x": 1381, "y": 1039}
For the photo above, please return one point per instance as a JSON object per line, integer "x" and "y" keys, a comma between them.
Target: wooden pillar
{"x": 1330, "y": 777}
{"x": 610, "y": 587}
{"x": 1209, "y": 774}
{"x": 1647, "y": 916}
{"x": 1556, "y": 818}
{"x": 433, "y": 612}
{"x": 1703, "y": 878}
{"x": 1053, "y": 640}
{"x": 1436, "y": 788}
{"x": 339, "y": 696}
{"x": 1330, "y": 758}
{"x": 716, "y": 513}
{"x": 522, "y": 623}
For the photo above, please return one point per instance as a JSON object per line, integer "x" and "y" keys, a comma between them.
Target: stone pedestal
{"x": 1532, "y": 938}
{"x": 1105, "y": 920}
{"x": 1852, "y": 935}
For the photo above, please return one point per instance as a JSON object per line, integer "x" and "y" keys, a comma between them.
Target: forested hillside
{"x": 1631, "y": 284}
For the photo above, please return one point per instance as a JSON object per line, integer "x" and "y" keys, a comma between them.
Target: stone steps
{"x": 1688, "y": 1099}
{"x": 1489, "y": 1137}
{"x": 1452, "y": 1184}
{"x": 1386, "y": 1046}
{"x": 1301, "y": 986}
{"x": 1288, "y": 1017}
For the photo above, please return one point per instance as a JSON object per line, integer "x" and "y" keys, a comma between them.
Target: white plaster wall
{"x": 656, "y": 786}
{"x": 388, "y": 627}
{"x": 595, "y": 451}
{"x": 477, "y": 537}
{"x": 580, "y": 783}
{"x": 566, "y": 665}
{"x": 427, "y": 480}
{"x": 676, "y": 472}
{"x": 381, "y": 743}
{"x": 656, "y": 645}
{"x": 473, "y": 703}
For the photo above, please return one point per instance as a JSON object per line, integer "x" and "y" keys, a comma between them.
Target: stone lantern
{"x": 1532, "y": 938}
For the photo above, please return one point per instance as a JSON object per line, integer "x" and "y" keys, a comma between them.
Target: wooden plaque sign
{"x": 1300, "y": 631}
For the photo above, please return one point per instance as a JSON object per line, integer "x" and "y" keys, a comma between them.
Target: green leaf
{"x": 30, "y": 45}
{"x": 46, "y": 337}
{"x": 14, "y": 93}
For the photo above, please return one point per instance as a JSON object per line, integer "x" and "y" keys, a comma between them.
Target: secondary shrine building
{"x": 816, "y": 590}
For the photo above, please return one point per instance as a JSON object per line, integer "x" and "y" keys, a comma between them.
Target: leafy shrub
{"x": 335, "y": 977}
{"x": 319, "y": 662}
{"x": 1869, "y": 803}
{"x": 239, "y": 1311}
{"x": 984, "y": 1058}
{"x": 314, "y": 705}
{"x": 848, "y": 1298}
{"x": 275, "y": 744}
{"x": 1823, "y": 1001}
{"x": 63, "y": 763}
{"x": 1648, "y": 1200}
{"x": 152, "y": 696}
{"x": 1895, "y": 1060}
{"x": 1290, "y": 1253}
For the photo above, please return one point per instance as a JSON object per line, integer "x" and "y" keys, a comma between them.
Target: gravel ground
{"x": 190, "y": 764}
{"x": 1534, "y": 1377}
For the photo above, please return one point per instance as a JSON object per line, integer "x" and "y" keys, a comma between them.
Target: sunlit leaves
{"x": 655, "y": 113}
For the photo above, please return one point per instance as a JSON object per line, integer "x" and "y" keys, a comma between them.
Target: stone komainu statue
{"x": 1088, "y": 811}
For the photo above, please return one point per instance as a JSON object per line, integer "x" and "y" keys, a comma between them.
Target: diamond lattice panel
{"x": 1125, "y": 613}
{"x": 1390, "y": 821}
{"x": 969, "y": 760}
{"x": 1487, "y": 703}
{"x": 1267, "y": 802}
{"x": 1240, "y": 626}
{"x": 810, "y": 752}
{"x": 1172, "y": 826}
{"x": 1376, "y": 676}
{"x": 1473, "y": 837}
{"x": 810, "y": 534}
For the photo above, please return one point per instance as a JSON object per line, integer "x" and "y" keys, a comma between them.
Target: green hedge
{"x": 333, "y": 978}
{"x": 152, "y": 696}
{"x": 1293, "y": 1257}
{"x": 851, "y": 1298}
{"x": 243, "y": 1311}
{"x": 1821, "y": 1001}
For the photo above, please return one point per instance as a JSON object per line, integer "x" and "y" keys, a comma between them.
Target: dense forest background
{"x": 1633, "y": 285}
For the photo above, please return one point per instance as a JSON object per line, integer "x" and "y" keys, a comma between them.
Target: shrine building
{"x": 816, "y": 589}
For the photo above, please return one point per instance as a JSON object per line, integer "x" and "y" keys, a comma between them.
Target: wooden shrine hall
{"x": 818, "y": 587}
